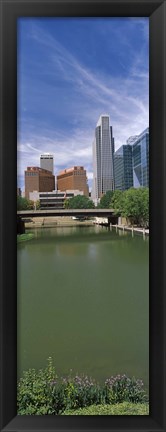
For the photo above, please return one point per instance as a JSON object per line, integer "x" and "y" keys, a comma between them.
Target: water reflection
{"x": 83, "y": 299}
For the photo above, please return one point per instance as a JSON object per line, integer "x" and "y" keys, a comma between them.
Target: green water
{"x": 83, "y": 298}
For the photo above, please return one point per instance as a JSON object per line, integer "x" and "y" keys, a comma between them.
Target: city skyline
{"x": 62, "y": 89}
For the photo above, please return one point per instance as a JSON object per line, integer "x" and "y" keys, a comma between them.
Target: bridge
{"x": 25, "y": 214}
{"x": 66, "y": 212}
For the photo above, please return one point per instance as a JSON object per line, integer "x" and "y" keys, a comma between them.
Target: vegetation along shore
{"x": 43, "y": 392}
{"x": 24, "y": 237}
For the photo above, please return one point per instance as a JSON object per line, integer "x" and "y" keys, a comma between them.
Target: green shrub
{"x": 59, "y": 397}
{"x": 122, "y": 388}
{"x": 78, "y": 392}
{"x": 125, "y": 408}
{"x": 70, "y": 393}
{"x": 34, "y": 392}
{"x": 42, "y": 392}
{"x": 24, "y": 237}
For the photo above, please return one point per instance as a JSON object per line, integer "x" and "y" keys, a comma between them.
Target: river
{"x": 83, "y": 299}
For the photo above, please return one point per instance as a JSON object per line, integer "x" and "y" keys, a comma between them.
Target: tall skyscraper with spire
{"x": 103, "y": 164}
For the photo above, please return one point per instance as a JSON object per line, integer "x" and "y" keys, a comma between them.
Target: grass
{"x": 124, "y": 408}
{"x": 24, "y": 237}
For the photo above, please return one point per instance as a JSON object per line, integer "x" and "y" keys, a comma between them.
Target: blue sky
{"x": 72, "y": 70}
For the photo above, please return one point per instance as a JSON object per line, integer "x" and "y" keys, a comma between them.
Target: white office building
{"x": 103, "y": 151}
{"x": 47, "y": 162}
{"x": 54, "y": 199}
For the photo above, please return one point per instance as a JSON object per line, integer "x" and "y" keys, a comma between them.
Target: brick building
{"x": 38, "y": 179}
{"x": 73, "y": 179}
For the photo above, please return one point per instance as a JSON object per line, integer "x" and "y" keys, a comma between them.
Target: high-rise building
{"x": 38, "y": 179}
{"x": 103, "y": 151}
{"x": 132, "y": 139}
{"x": 47, "y": 162}
{"x": 123, "y": 169}
{"x": 141, "y": 160}
{"x": 74, "y": 178}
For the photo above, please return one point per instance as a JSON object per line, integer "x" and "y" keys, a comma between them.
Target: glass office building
{"x": 141, "y": 160}
{"x": 123, "y": 169}
{"x": 103, "y": 150}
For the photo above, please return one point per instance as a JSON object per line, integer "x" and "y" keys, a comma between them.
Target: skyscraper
{"x": 141, "y": 160}
{"x": 131, "y": 140}
{"x": 47, "y": 162}
{"x": 103, "y": 150}
{"x": 123, "y": 167}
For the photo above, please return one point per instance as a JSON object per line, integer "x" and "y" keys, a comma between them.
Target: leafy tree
{"x": 30, "y": 205}
{"x": 79, "y": 202}
{"x": 24, "y": 204}
{"x": 133, "y": 204}
{"x": 136, "y": 206}
{"x": 117, "y": 202}
{"x": 106, "y": 199}
{"x": 145, "y": 206}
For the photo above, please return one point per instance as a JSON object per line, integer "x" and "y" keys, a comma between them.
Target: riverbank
{"x": 131, "y": 229}
{"x": 124, "y": 408}
{"x": 49, "y": 222}
{"x": 123, "y": 227}
{"x": 67, "y": 221}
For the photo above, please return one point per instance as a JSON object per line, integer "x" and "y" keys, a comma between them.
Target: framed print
{"x": 71, "y": 60}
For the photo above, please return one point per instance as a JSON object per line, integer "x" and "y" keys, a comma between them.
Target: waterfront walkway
{"x": 122, "y": 227}
{"x": 132, "y": 229}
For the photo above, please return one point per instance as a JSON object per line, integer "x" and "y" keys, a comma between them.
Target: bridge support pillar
{"x": 20, "y": 226}
{"x": 109, "y": 221}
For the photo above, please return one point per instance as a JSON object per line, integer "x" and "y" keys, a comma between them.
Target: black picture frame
{"x": 9, "y": 12}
